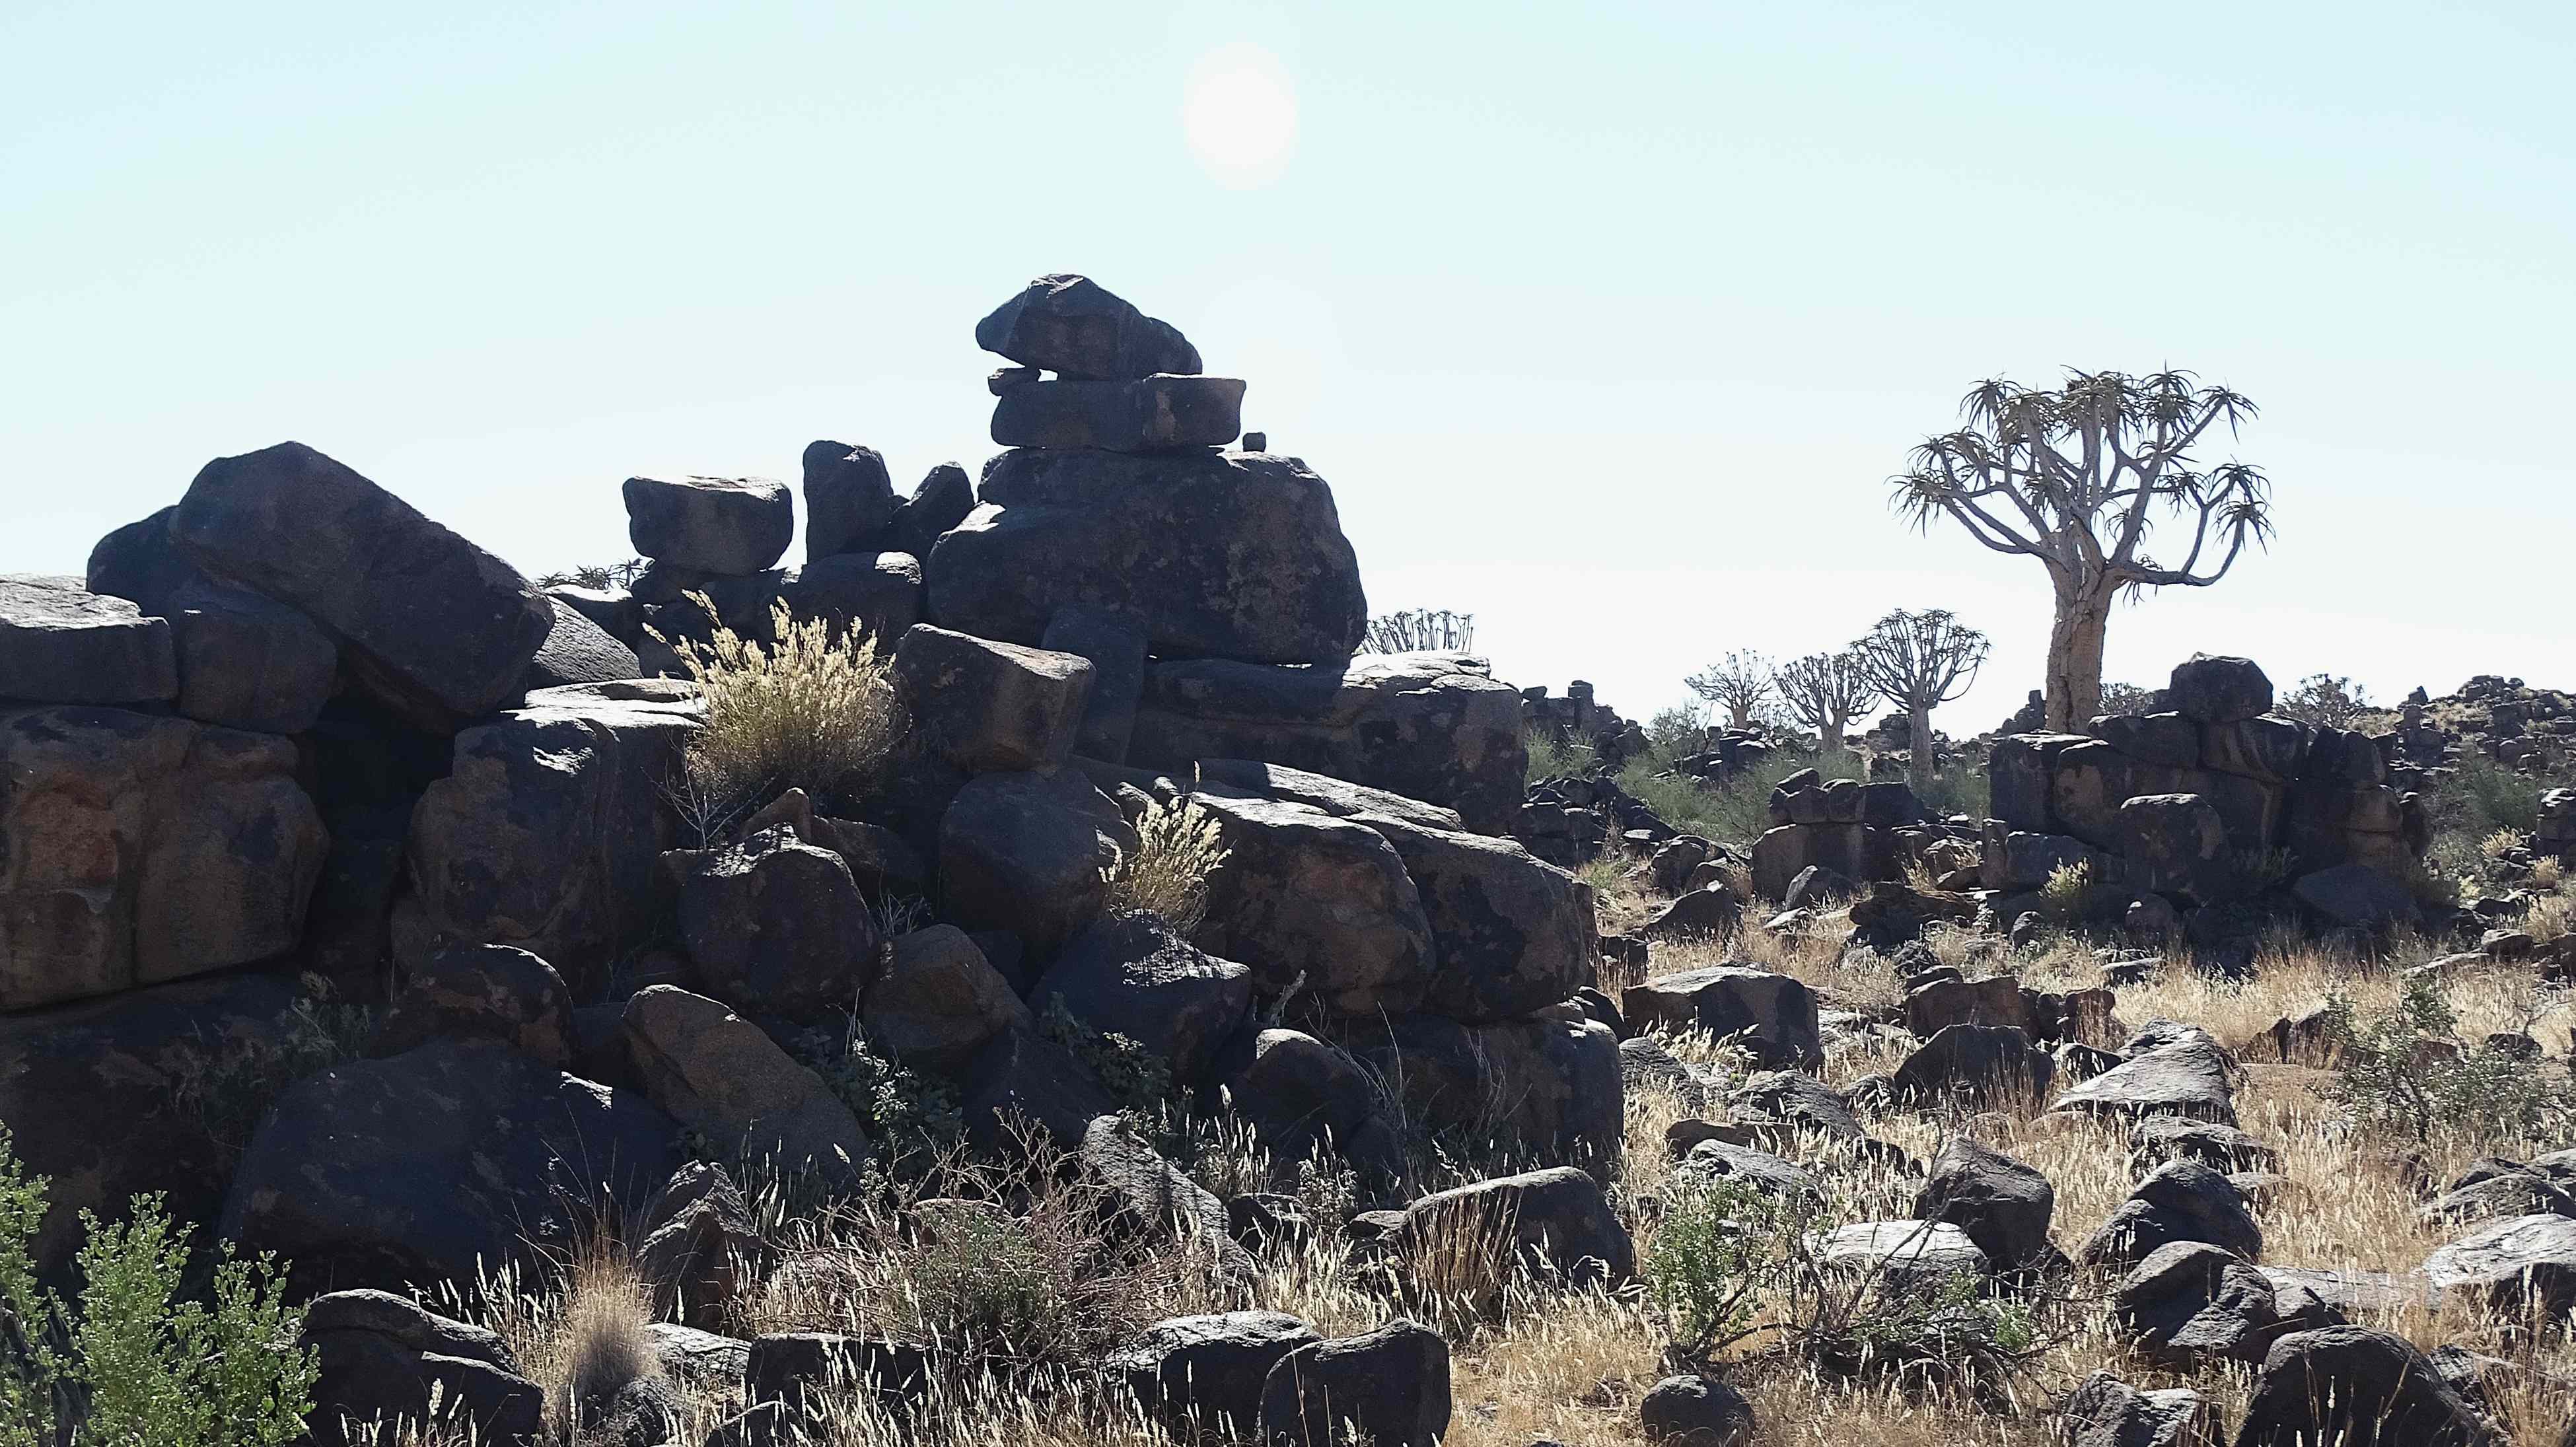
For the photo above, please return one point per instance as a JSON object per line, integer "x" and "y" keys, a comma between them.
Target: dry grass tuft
{"x": 811, "y": 711}
{"x": 1177, "y": 847}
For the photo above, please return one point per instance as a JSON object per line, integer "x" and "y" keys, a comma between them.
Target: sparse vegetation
{"x": 1421, "y": 629}
{"x": 2325, "y": 701}
{"x": 2402, "y": 1069}
{"x": 229, "y": 1085}
{"x": 811, "y": 711}
{"x": 1178, "y": 845}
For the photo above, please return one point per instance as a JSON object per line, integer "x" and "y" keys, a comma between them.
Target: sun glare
{"x": 1239, "y": 114}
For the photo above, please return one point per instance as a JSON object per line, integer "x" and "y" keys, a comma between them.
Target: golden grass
{"x": 1178, "y": 845}
{"x": 815, "y": 710}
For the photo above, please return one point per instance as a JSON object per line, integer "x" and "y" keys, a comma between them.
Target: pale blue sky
{"x": 1606, "y": 323}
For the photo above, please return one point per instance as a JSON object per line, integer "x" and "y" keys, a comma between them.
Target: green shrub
{"x": 910, "y": 1116}
{"x": 1720, "y": 1247}
{"x": 155, "y": 1368}
{"x": 1138, "y": 1080}
{"x": 2401, "y": 1070}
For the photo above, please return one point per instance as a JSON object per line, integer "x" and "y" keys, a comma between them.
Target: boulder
{"x": 1854, "y": 851}
{"x": 2215, "y": 689}
{"x": 1338, "y": 797}
{"x": 547, "y": 831}
{"x": 1150, "y": 414}
{"x": 2018, "y": 770}
{"x": 1798, "y": 1102}
{"x": 2190, "y": 1303}
{"x": 1710, "y": 912}
{"x": 1075, "y": 327}
{"x": 1548, "y": 1084}
{"x": 2156, "y": 1139}
{"x": 244, "y": 661}
{"x": 698, "y": 1249}
{"x": 986, "y": 706}
{"x": 1713, "y": 1161}
{"x": 1695, "y": 1411}
{"x": 1298, "y": 1092}
{"x": 1995, "y": 1000}
{"x": 1132, "y": 975}
{"x": 2525, "y": 1264}
{"x": 2003, "y": 1205}
{"x": 68, "y": 645}
{"x": 875, "y": 596}
{"x": 1024, "y": 852}
{"x": 2190, "y": 1077}
{"x": 2178, "y": 1201}
{"x": 2356, "y": 895}
{"x": 2356, "y": 1387}
{"x": 2174, "y": 844}
{"x": 1199, "y": 1374}
{"x": 796, "y": 1382}
{"x": 1303, "y": 894}
{"x": 1509, "y": 933}
{"x": 1644, "y": 1064}
{"x": 1389, "y": 1388}
{"x": 576, "y": 651}
{"x": 2171, "y": 739}
{"x": 2511, "y": 1193}
{"x": 2271, "y": 750}
{"x": 1023, "y": 1079}
{"x": 2019, "y": 862}
{"x": 427, "y": 1167}
{"x": 383, "y": 1359}
{"x": 2104, "y": 1411}
{"x": 1978, "y": 1063}
{"x": 1436, "y": 727}
{"x": 489, "y": 992}
{"x": 942, "y": 501}
{"x": 1909, "y": 1256}
{"x": 772, "y": 923}
{"x": 849, "y": 499}
{"x": 939, "y": 1001}
{"x": 430, "y": 624}
{"x": 1213, "y": 555}
{"x": 721, "y": 1076}
{"x": 1557, "y": 1222}
{"x": 1115, "y": 649}
{"x": 1726, "y": 999}
{"x": 1148, "y": 1196}
{"x": 136, "y": 849}
{"x": 726, "y": 525}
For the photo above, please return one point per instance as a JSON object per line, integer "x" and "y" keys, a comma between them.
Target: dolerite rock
{"x": 382, "y": 1358}
{"x": 1023, "y": 852}
{"x": 943, "y": 500}
{"x": 2356, "y": 1387}
{"x": 719, "y": 1075}
{"x": 429, "y": 623}
{"x": 849, "y": 499}
{"x": 1213, "y": 555}
{"x": 773, "y": 923}
{"x": 985, "y": 705}
{"x": 1509, "y": 933}
{"x": 698, "y": 1249}
{"x": 1149, "y": 1196}
{"x": 1430, "y": 726}
{"x": 1338, "y": 797}
{"x": 2187, "y": 1078}
{"x": 1557, "y": 1221}
{"x": 1132, "y": 975}
{"x": 96, "y": 1098}
{"x": 2189, "y": 1303}
{"x": 1710, "y": 912}
{"x": 1714, "y": 1161}
{"x": 1299, "y": 1092}
{"x": 1938, "y": 1004}
{"x": 136, "y": 849}
{"x": 2160, "y": 1138}
{"x": 2215, "y": 689}
{"x": 1800, "y": 1102}
{"x": 1204, "y": 1373}
{"x": 1074, "y": 326}
{"x": 2179, "y": 1201}
{"x": 2174, "y": 844}
{"x": 546, "y": 831}
{"x": 244, "y": 661}
{"x": 2512, "y": 1193}
{"x": 1549, "y": 1084}
{"x": 1116, "y": 652}
{"x": 2355, "y": 895}
{"x": 2526, "y": 1264}
{"x": 1907, "y": 1255}
{"x": 1726, "y": 999}
{"x": 2003, "y": 1205}
{"x": 66, "y": 645}
{"x": 940, "y": 1001}
{"x": 794, "y": 1382}
{"x": 1153, "y": 414}
{"x": 1644, "y": 1064}
{"x": 2104, "y": 1411}
{"x": 576, "y": 651}
{"x": 875, "y": 596}
{"x": 1302, "y": 893}
{"x": 1975, "y": 1062}
{"x": 729, "y": 525}
{"x": 1389, "y": 1388}
{"x": 1022, "y": 1079}
{"x": 426, "y": 1167}
{"x": 1695, "y": 1411}
{"x": 490, "y": 992}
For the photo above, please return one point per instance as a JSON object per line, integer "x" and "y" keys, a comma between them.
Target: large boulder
{"x": 382, "y": 1359}
{"x": 1549, "y": 1085}
{"x": 2190, "y": 1077}
{"x": 726, "y": 525}
{"x": 458, "y": 1157}
{"x": 107, "y": 1097}
{"x": 245, "y": 661}
{"x": 489, "y": 992}
{"x": 1115, "y": 649}
{"x": 1388, "y": 1388}
{"x": 1024, "y": 851}
{"x": 1555, "y": 1221}
{"x": 2190, "y": 1302}
{"x": 2527, "y": 1263}
{"x": 939, "y": 1001}
{"x": 1022, "y": 1080}
{"x": 136, "y": 849}
{"x": 2216, "y": 689}
{"x": 849, "y": 499}
{"x": 1437, "y": 727}
{"x": 546, "y": 832}
{"x": 1075, "y": 327}
{"x": 2104, "y": 1411}
{"x": 429, "y": 623}
{"x": 2003, "y": 1205}
{"x": 1145, "y": 1195}
{"x": 66, "y": 645}
{"x": 875, "y": 596}
{"x": 2178, "y": 1201}
{"x": 1338, "y": 797}
{"x": 942, "y": 501}
{"x": 1303, "y": 894}
{"x": 1132, "y": 975}
{"x": 1299, "y": 1093}
{"x": 1509, "y": 933}
{"x": 1212, "y": 554}
{"x": 2356, "y": 1387}
{"x": 1977, "y": 1063}
{"x": 1724, "y": 1000}
{"x": 1204, "y": 1373}
{"x": 1150, "y": 414}
{"x": 773, "y": 923}
{"x": 719, "y": 1075}
{"x": 576, "y": 651}
{"x": 985, "y": 705}
{"x": 1695, "y": 1411}
{"x": 2174, "y": 844}
{"x": 2355, "y": 895}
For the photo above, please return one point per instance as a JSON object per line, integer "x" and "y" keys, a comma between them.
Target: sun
{"x": 1239, "y": 115}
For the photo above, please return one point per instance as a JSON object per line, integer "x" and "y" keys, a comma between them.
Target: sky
{"x": 1607, "y": 324}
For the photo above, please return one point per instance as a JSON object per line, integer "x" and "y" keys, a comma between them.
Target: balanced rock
{"x": 66, "y": 645}
{"x": 1509, "y": 933}
{"x": 985, "y": 705}
{"x": 725, "y": 525}
{"x": 1075, "y": 327}
{"x": 1155, "y": 414}
{"x": 849, "y": 499}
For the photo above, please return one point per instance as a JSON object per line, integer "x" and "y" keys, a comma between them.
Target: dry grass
{"x": 1178, "y": 845}
{"x": 813, "y": 711}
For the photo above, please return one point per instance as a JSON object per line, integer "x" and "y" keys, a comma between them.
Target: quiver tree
{"x": 1421, "y": 629}
{"x": 1918, "y": 661}
{"x": 1823, "y": 691}
{"x": 2078, "y": 478}
{"x": 1737, "y": 683}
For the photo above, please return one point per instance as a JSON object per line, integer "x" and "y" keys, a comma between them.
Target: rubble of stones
{"x": 1574, "y": 819}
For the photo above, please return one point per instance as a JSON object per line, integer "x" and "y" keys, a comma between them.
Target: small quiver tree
{"x": 1823, "y": 691}
{"x": 1917, "y": 662}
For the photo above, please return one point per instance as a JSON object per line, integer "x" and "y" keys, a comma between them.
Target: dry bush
{"x": 1178, "y": 846}
{"x": 810, "y": 711}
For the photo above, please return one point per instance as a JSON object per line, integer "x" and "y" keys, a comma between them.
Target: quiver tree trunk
{"x": 2075, "y": 657}
{"x": 1918, "y": 758}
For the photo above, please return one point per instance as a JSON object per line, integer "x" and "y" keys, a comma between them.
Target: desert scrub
{"x": 1139, "y": 1081}
{"x": 230, "y": 1086}
{"x": 2401, "y": 1070}
{"x": 2073, "y": 897}
{"x": 912, "y": 1118}
{"x": 1178, "y": 846}
{"x": 810, "y": 711}
{"x": 154, "y": 1368}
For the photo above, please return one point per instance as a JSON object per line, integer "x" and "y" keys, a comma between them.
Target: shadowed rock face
{"x": 64, "y": 645}
{"x": 1076, "y": 327}
{"x": 1211, "y": 555}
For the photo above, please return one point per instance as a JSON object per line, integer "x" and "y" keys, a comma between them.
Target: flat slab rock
{"x": 68, "y": 645}
{"x": 2186, "y": 1078}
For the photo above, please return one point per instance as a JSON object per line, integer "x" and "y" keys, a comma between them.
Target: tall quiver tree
{"x": 1919, "y": 661}
{"x": 1823, "y": 691}
{"x": 2077, "y": 478}
{"x": 1738, "y": 683}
